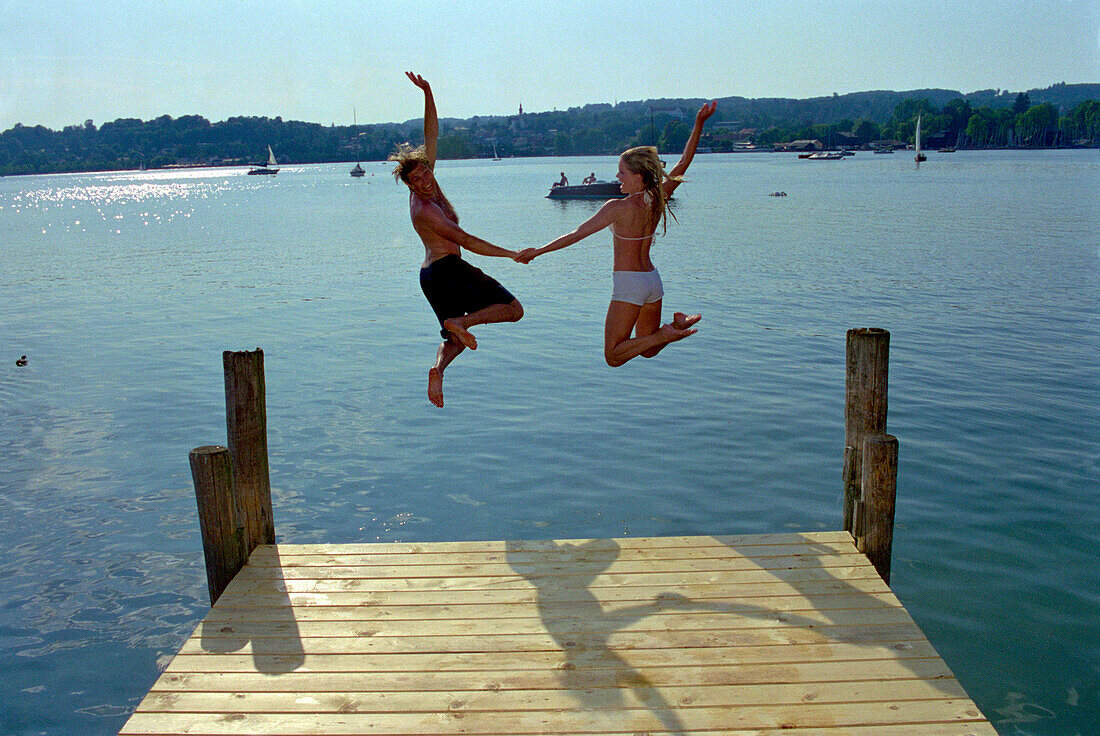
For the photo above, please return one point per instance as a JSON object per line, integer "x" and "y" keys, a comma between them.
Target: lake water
{"x": 123, "y": 289}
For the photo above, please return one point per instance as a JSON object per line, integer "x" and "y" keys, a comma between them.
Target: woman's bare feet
{"x": 683, "y": 321}
{"x": 671, "y": 332}
{"x": 435, "y": 387}
{"x": 456, "y": 328}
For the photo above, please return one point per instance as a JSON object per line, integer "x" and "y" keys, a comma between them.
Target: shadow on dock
{"x": 598, "y": 676}
{"x": 595, "y": 674}
{"x": 268, "y": 626}
{"x": 839, "y": 587}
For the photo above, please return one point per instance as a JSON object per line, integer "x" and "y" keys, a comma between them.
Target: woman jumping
{"x": 637, "y": 290}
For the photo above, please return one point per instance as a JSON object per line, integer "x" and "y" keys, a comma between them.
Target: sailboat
{"x": 496, "y": 156}
{"x": 357, "y": 170}
{"x": 270, "y": 168}
{"x": 920, "y": 156}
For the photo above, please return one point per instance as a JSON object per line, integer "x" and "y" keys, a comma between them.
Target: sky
{"x": 66, "y": 61}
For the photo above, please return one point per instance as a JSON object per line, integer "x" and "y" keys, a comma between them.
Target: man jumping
{"x": 460, "y": 294}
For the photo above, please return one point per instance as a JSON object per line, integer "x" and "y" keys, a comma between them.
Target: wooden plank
{"x": 411, "y": 549}
{"x": 395, "y": 582}
{"x": 720, "y": 673}
{"x": 555, "y": 698}
{"x": 667, "y": 607}
{"x": 663, "y": 595}
{"x": 435, "y": 590}
{"x": 443, "y": 642}
{"x": 779, "y": 597}
{"x": 660, "y": 619}
{"x": 356, "y": 567}
{"x": 267, "y": 557}
{"x": 596, "y": 658}
{"x": 900, "y": 729}
{"x": 659, "y": 717}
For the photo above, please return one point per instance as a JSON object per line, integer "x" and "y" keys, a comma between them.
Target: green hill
{"x": 1060, "y": 115}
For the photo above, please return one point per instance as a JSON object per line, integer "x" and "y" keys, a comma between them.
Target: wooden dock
{"x": 791, "y": 633}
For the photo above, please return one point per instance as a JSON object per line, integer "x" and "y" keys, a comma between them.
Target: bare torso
{"x": 424, "y": 212}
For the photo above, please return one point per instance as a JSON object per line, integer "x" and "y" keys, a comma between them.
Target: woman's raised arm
{"x": 689, "y": 148}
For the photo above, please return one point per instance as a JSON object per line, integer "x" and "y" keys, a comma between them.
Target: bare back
{"x": 632, "y": 233}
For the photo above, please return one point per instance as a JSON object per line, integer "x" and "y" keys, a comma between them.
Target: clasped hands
{"x": 526, "y": 255}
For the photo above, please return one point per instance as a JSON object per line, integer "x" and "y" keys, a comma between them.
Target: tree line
{"x": 958, "y": 123}
{"x": 1064, "y": 115}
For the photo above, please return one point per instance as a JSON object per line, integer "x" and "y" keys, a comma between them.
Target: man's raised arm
{"x": 431, "y": 118}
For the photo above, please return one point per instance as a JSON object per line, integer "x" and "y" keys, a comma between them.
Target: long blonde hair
{"x": 646, "y": 161}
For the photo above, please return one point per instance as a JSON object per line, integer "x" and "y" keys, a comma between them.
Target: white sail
{"x": 919, "y": 156}
{"x": 272, "y": 162}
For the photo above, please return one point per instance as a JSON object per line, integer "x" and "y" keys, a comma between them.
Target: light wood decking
{"x": 791, "y": 633}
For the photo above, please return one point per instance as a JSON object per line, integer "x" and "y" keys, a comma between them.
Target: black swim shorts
{"x": 455, "y": 288}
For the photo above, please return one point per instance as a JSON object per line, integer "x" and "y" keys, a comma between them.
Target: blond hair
{"x": 646, "y": 162}
{"x": 408, "y": 158}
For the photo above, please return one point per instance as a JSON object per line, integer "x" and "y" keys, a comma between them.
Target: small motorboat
{"x": 596, "y": 190}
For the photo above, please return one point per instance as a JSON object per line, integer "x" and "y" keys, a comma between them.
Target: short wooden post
{"x": 246, "y": 427}
{"x": 880, "y": 484}
{"x": 865, "y": 379}
{"x": 219, "y": 520}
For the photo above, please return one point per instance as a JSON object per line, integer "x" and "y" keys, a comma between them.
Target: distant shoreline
{"x": 1060, "y": 116}
{"x": 202, "y": 166}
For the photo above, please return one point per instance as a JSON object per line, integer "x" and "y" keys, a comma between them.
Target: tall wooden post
{"x": 868, "y": 353}
{"x": 223, "y": 543}
{"x": 246, "y": 427}
{"x": 880, "y": 483}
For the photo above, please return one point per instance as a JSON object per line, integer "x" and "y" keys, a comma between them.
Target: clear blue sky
{"x": 65, "y": 61}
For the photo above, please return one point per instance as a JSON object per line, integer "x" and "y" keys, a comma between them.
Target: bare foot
{"x": 435, "y": 387}
{"x": 672, "y": 333}
{"x": 683, "y": 321}
{"x": 456, "y": 329}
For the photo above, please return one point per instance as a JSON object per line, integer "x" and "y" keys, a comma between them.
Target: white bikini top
{"x": 624, "y": 237}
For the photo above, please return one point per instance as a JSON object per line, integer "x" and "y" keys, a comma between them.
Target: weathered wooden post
{"x": 232, "y": 486}
{"x": 880, "y": 483}
{"x": 868, "y": 353}
{"x": 223, "y": 543}
{"x": 246, "y": 427}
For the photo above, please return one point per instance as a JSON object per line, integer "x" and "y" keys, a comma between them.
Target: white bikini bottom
{"x": 636, "y": 287}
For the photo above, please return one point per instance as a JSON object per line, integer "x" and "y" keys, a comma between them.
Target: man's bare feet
{"x": 435, "y": 387}
{"x": 683, "y": 321}
{"x": 455, "y": 328}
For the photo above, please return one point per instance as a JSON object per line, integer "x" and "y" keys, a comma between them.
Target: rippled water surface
{"x": 123, "y": 290}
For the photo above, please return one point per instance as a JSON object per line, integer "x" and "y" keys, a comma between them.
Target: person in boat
{"x": 563, "y": 182}
{"x": 460, "y": 294}
{"x": 637, "y": 293}
{"x": 590, "y": 179}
